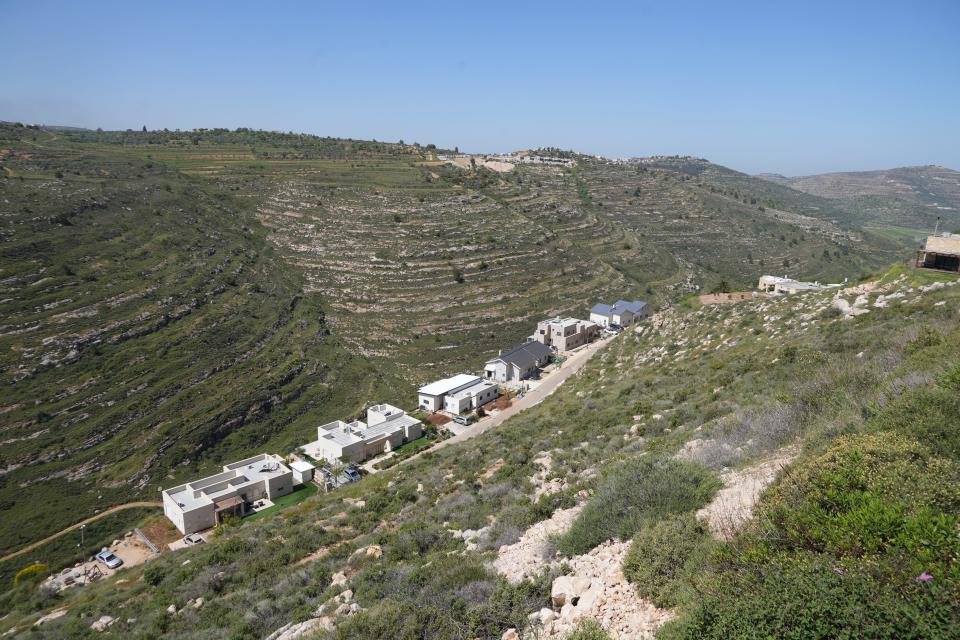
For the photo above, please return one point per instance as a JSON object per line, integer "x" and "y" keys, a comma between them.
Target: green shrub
{"x": 589, "y": 629}
{"x": 663, "y": 556}
{"x": 806, "y": 597}
{"x": 930, "y": 415}
{"x": 634, "y": 493}
{"x": 154, "y": 575}
{"x": 865, "y": 495}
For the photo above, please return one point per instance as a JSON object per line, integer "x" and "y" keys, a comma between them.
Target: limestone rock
{"x": 102, "y": 623}
{"x": 567, "y": 589}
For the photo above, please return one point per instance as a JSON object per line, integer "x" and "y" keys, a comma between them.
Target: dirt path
{"x": 74, "y": 527}
{"x": 531, "y": 399}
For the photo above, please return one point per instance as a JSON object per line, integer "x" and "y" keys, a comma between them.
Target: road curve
{"x": 74, "y": 527}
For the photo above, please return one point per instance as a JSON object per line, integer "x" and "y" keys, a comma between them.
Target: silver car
{"x": 109, "y": 559}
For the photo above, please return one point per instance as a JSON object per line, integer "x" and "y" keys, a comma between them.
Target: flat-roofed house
{"x": 430, "y": 397}
{"x": 468, "y": 399}
{"x": 302, "y": 471}
{"x": 564, "y": 334}
{"x": 386, "y": 428}
{"x": 621, "y": 312}
{"x": 942, "y": 251}
{"x": 777, "y": 285}
{"x": 517, "y": 363}
{"x": 202, "y": 504}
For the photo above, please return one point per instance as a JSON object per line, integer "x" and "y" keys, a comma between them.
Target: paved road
{"x": 74, "y": 527}
{"x": 531, "y": 399}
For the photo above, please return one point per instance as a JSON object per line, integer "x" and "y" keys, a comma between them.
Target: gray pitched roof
{"x": 601, "y": 308}
{"x": 636, "y": 306}
{"x": 524, "y": 354}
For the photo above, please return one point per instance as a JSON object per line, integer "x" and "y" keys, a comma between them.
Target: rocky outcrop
{"x": 596, "y": 588}
{"x": 534, "y": 551}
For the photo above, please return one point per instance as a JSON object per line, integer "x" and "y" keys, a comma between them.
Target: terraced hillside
{"x": 431, "y": 268}
{"x": 192, "y": 296}
{"x": 664, "y": 422}
{"x": 148, "y": 331}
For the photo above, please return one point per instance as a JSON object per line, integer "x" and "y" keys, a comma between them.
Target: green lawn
{"x": 298, "y": 496}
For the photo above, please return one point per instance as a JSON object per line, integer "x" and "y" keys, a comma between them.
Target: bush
{"x": 929, "y": 415}
{"x": 31, "y": 572}
{"x": 869, "y": 493}
{"x": 589, "y": 629}
{"x": 663, "y": 556}
{"x": 636, "y": 492}
{"x": 807, "y": 597}
{"x": 154, "y": 575}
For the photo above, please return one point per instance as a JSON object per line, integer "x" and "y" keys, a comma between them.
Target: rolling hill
{"x": 910, "y": 197}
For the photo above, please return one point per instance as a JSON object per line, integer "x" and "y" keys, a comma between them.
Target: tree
{"x": 144, "y": 128}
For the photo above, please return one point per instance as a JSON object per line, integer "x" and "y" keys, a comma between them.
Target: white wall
{"x": 428, "y": 402}
{"x": 600, "y": 319}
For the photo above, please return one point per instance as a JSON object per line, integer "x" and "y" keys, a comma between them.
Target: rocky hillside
{"x": 628, "y": 503}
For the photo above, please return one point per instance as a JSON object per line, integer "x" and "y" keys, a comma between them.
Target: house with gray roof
{"x": 517, "y": 363}
{"x": 621, "y": 312}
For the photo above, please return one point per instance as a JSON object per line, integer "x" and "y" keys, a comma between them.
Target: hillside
{"x": 147, "y": 327}
{"x": 204, "y": 294}
{"x": 173, "y": 300}
{"x": 857, "y": 404}
{"x": 905, "y": 196}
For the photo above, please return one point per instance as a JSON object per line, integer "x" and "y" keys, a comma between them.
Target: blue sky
{"x": 787, "y": 87}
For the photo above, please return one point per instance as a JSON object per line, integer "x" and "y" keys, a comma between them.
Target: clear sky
{"x": 789, "y": 87}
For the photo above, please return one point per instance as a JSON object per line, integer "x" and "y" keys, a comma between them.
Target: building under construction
{"x": 942, "y": 252}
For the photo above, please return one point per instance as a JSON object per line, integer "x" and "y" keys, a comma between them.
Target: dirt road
{"x": 74, "y": 527}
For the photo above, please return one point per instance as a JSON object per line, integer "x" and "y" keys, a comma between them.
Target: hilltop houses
{"x": 564, "y": 334}
{"x": 621, "y": 312}
{"x": 942, "y": 251}
{"x": 386, "y": 428}
{"x": 517, "y": 363}
{"x": 204, "y": 503}
{"x": 460, "y": 393}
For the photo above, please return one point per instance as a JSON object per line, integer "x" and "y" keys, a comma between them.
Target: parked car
{"x": 352, "y": 473}
{"x": 109, "y": 559}
{"x": 615, "y": 327}
{"x": 193, "y": 539}
{"x": 464, "y": 420}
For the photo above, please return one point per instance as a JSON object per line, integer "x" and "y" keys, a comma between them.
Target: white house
{"x": 468, "y": 399}
{"x": 204, "y": 503}
{"x": 431, "y": 396}
{"x": 302, "y": 471}
{"x": 386, "y": 428}
{"x": 517, "y": 363}
{"x": 621, "y": 312}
